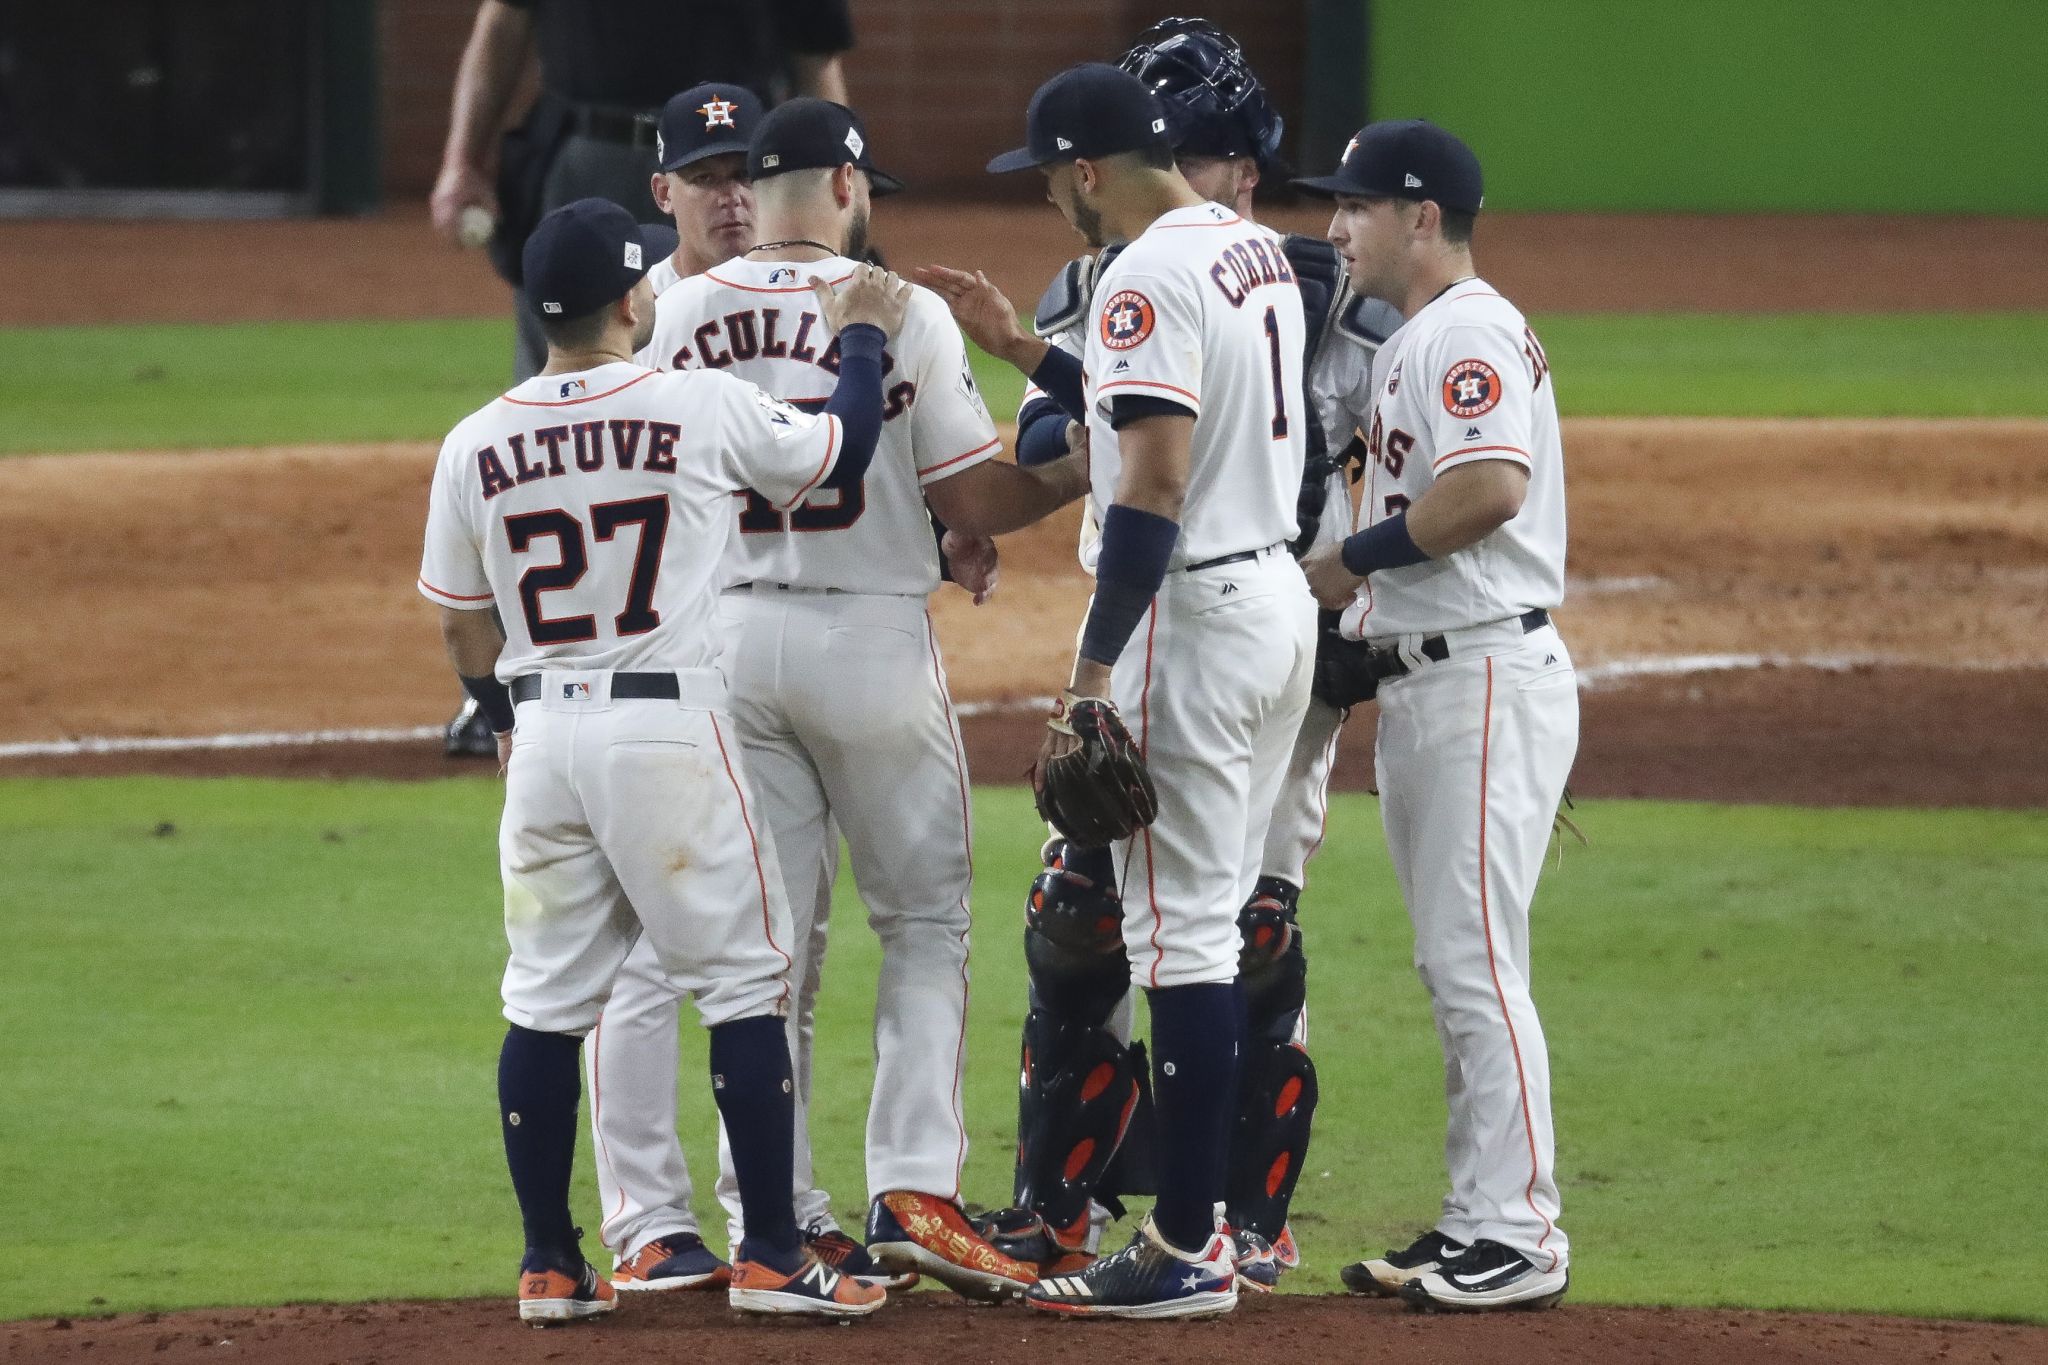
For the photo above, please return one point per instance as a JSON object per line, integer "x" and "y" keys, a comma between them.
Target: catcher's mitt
{"x": 1100, "y": 792}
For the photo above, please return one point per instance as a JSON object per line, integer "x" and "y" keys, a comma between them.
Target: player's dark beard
{"x": 1086, "y": 221}
{"x": 857, "y": 235}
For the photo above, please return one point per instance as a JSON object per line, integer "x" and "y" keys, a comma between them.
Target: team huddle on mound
{"x": 683, "y": 570}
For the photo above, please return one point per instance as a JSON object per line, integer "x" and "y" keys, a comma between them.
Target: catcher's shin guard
{"x": 1277, "y": 1090}
{"x": 1079, "y": 1086}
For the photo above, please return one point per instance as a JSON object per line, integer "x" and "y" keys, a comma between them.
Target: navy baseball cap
{"x": 587, "y": 254}
{"x": 812, "y": 134}
{"x": 705, "y": 120}
{"x": 1089, "y": 110}
{"x": 1405, "y": 159}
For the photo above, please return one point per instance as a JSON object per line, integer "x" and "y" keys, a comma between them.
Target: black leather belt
{"x": 614, "y": 125}
{"x": 1240, "y": 557}
{"x": 1388, "y": 663}
{"x": 625, "y": 687}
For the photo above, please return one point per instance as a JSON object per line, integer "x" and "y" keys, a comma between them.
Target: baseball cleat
{"x": 1258, "y": 1269}
{"x": 1488, "y": 1275}
{"x": 549, "y": 1294}
{"x": 909, "y": 1232}
{"x": 1286, "y": 1253}
{"x": 1025, "y": 1236}
{"x": 1147, "y": 1279}
{"x": 812, "y": 1288}
{"x": 677, "y": 1261}
{"x": 849, "y": 1257}
{"x": 1385, "y": 1276}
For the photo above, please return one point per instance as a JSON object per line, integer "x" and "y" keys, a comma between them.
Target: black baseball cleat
{"x": 1386, "y": 1275}
{"x": 1487, "y": 1276}
{"x": 469, "y": 735}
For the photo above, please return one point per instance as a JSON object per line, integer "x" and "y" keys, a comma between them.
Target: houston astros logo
{"x": 717, "y": 114}
{"x": 1471, "y": 388}
{"x": 1126, "y": 320}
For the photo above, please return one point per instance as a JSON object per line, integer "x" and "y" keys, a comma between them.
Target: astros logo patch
{"x": 1126, "y": 319}
{"x": 717, "y": 114}
{"x": 1471, "y": 388}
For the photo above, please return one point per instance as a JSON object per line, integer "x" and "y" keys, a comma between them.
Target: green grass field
{"x": 248, "y": 1032}
{"x": 191, "y": 385}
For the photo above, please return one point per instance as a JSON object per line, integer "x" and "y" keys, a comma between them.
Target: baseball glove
{"x": 1100, "y": 792}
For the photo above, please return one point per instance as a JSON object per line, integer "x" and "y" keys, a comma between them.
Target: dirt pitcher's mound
{"x": 939, "y": 1327}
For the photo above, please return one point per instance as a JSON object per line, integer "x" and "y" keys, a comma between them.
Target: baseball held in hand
{"x": 475, "y": 226}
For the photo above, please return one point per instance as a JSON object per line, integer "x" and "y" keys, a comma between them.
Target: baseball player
{"x": 1227, "y": 136}
{"x": 589, "y": 506}
{"x": 839, "y": 689}
{"x": 1201, "y": 630}
{"x": 1449, "y": 583}
{"x": 643, "y": 1180}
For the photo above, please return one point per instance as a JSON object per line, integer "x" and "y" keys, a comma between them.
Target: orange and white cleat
{"x": 678, "y": 1261}
{"x": 549, "y": 1295}
{"x": 812, "y": 1288}
{"x": 909, "y": 1231}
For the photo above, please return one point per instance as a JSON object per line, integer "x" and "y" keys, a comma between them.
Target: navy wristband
{"x": 493, "y": 698}
{"x": 1041, "y": 433}
{"x": 1059, "y": 374}
{"x": 1136, "y": 548}
{"x": 1382, "y": 545}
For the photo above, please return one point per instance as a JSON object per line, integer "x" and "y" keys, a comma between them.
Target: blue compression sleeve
{"x": 1382, "y": 545}
{"x": 857, "y": 403}
{"x": 1059, "y": 374}
{"x": 1136, "y": 547}
{"x": 1041, "y": 433}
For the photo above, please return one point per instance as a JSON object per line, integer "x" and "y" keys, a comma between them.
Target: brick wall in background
{"x": 941, "y": 83}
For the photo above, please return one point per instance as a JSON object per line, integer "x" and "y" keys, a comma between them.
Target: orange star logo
{"x": 717, "y": 114}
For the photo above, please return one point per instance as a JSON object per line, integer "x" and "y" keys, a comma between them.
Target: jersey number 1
{"x": 1279, "y": 384}
{"x": 638, "y": 616}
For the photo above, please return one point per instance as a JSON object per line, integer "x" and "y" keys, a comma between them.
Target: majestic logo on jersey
{"x": 1126, "y": 319}
{"x": 1471, "y": 388}
{"x": 1394, "y": 379}
{"x": 717, "y": 114}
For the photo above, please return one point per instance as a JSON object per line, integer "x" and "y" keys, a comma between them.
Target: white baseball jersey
{"x": 1463, "y": 380}
{"x": 759, "y": 320}
{"x": 593, "y": 510}
{"x": 1203, "y": 310}
{"x": 662, "y": 276}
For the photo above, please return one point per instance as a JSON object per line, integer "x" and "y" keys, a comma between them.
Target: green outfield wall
{"x": 1885, "y": 106}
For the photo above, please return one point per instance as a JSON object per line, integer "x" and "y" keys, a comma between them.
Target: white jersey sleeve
{"x": 452, "y": 566}
{"x": 950, "y": 428}
{"x": 1148, "y": 341}
{"x": 776, "y": 450}
{"x": 1481, "y": 407}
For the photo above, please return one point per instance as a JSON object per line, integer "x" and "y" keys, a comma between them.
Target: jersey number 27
{"x": 638, "y": 616}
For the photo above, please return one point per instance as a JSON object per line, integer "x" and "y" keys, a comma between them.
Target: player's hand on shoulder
{"x": 973, "y": 563}
{"x": 1333, "y": 585}
{"x": 871, "y": 295}
{"x": 983, "y": 311}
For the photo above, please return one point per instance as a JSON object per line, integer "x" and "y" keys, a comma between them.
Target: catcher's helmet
{"x": 1216, "y": 104}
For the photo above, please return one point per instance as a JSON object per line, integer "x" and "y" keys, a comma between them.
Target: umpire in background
{"x": 606, "y": 66}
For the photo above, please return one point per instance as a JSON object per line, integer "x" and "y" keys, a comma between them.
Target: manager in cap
{"x": 1446, "y": 591}
{"x": 700, "y": 177}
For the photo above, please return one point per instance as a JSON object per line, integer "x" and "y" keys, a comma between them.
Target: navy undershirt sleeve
{"x": 857, "y": 403}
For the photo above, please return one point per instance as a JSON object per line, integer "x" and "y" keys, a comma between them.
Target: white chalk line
{"x": 1591, "y": 676}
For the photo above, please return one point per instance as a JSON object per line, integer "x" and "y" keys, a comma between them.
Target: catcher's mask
{"x": 1215, "y": 103}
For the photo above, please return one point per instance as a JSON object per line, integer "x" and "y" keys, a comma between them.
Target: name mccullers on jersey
{"x": 756, "y": 333}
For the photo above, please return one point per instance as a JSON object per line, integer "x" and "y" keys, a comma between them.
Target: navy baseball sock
{"x": 539, "y": 1086}
{"x": 1196, "y": 1033}
{"x": 750, "y": 1079}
